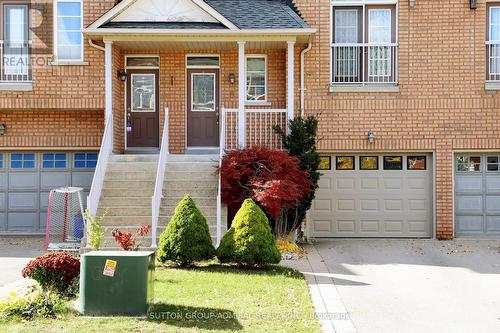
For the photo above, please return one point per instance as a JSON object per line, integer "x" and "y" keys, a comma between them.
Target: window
{"x": 68, "y": 38}
{"x": 492, "y": 163}
{"x": 493, "y": 44}
{"x": 416, "y": 163}
{"x": 368, "y": 162}
{"x": 325, "y": 163}
{"x": 393, "y": 163}
{"x": 203, "y": 61}
{"x": 256, "y": 70}
{"x": 364, "y": 48}
{"x": 85, "y": 160}
{"x": 345, "y": 162}
{"x": 57, "y": 161}
{"x": 22, "y": 160}
{"x": 469, "y": 163}
{"x": 16, "y": 41}
{"x": 1, "y": 160}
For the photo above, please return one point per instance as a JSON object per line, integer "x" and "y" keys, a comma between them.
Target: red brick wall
{"x": 442, "y": 105}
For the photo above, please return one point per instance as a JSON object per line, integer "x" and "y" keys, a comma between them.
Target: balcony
{"x": 370, "y": 66}
{"x": 15, "y": 67}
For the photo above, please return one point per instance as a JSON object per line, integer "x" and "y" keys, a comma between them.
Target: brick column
{"x": 444, "y": 189}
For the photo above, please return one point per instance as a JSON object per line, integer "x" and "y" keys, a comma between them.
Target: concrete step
{"x": 132, "y": 166}
{"x": 134, "y": 158}
{"x": 193, "y": 158}
{"x": 205, "y": 210}
{"x": 189, "y": 185}
{"x": 199, "y": 201}
{"x": 191, "y": 175}
{"x": 129, "y": 184}
{"x": 130, "y": 175}
{"x": 126, "y": 211}
{"x": 193, "y": 192}
{"x": 125, "y": 193}
{"x": 129, "y": 220}
{"x": 191, "y": 166}
{"x": 124, "y": 202}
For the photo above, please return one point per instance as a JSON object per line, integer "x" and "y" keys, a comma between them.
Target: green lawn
{"x": 213, "y": 298}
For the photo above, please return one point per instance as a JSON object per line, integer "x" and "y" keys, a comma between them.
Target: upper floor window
{"x": 14, "y": 47}
{"x": 493, "y": 43}
{"x": 68, "y": 39}
{"x": 256, "y": 69}
{"x": 364, "y": 48}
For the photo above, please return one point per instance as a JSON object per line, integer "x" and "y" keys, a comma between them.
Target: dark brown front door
{"x": 142, "y": 108}
{"x": 203, "y": 108}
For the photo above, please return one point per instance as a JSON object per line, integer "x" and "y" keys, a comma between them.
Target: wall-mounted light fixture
{"x": 122, "y": 75}
{"x": 371, "y": 136}
{"x": 231, "y": 78}
{"x": 3, "y": 128}
{"x": 412, "y": 3}
{"x": 40, "y": 8}
{"x": 473, "y": 4}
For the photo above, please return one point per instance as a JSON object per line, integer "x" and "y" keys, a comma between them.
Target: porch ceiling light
{"x": 122, "y": 75}
{"x": 371, "y": 136}
{"x": 412, "y": 3}
{"x": 3, "y": 128}
{"x": 231, "y": 78}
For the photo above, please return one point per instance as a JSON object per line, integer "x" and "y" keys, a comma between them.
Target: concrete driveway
{"x": 15, "y": 253}
{"x": 417, "y": 285}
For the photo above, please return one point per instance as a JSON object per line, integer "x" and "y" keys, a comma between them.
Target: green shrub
{"x": 187, "y": 237}
{"x": 95, "y": 231}
{"x": 30, "y": 304}
{"x": 249, "y": 241}
{"x": 55, "y": 271}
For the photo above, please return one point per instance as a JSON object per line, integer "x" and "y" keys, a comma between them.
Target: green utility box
{"x": 116, "y": 283}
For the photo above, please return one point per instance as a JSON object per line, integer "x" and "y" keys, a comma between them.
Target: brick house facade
{"x": 439, "y": 102}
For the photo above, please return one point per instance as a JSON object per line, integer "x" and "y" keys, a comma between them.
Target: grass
{"x": 213, "y": 298}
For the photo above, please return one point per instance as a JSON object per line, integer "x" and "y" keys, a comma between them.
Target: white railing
{"x": 15, "y": 65}
{"x": 493, "y": 52}
{"x": 259, "y": 129}
{"x": 100, "y": 169}
{"x": 364, "y": 63}
{"x": 160, "y": 177}
{"x": 222, "y": 148}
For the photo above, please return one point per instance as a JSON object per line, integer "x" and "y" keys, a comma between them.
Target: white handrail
{"x": 160, "y": 176}
{"x": 222, "y": 146}
{"x": 101, "y": 166}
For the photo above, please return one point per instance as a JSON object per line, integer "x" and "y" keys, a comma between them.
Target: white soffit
{"x": 164, "y": 11}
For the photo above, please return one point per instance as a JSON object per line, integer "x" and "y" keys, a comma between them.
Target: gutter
{"x": 95, "y": 46}
{"x": 302, "y": 79}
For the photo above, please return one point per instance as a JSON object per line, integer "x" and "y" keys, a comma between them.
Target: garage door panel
{"x": 50, "y": 180}
{"x": 469, "y": 224}
{"x": 3, "y": 181}
{"x": 469, "y": 183}
{"x": 43, "y": 220}
{"x": 44, "y": 200}
{"x": 324, "y": 184}
{"x": 82, "y": 179}
{"x": 23, "y": 201}
{"x": 23, "y": 181}
{"x": 493, "y": 205}
{"x": 22, "y": 221}
{"x": 469, "y": 204}
{"x": 492, "y": 184}
{"x": 374, "y": 203}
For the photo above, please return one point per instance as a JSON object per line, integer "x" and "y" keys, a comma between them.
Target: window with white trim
{"x": 68, "y": 38}
{"x": 364, "y": 48}
{"x": 493, "y": 42}
{"x": 256, "y": 70}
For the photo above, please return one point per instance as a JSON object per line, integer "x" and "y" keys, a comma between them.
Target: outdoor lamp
{"x": 122, "y": 75}
{"x": 412, "y": 3}
{"x": 371, "y": 136}
{"x": 473, "y": 4}
{"x": 231, "y": 78}
{"x": 2, "y": 129}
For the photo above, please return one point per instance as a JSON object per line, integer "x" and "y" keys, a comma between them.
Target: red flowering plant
{"x": 55, "y": 271}
{"x": 272, "y": 178}
{"x": 129, "y": 241}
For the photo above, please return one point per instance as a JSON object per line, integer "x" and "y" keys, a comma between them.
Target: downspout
{"x": 302, "y": 83}
{"x": 95, "y": 46}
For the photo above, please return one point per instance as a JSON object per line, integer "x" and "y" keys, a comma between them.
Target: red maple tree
{"x": 272, "y": 178}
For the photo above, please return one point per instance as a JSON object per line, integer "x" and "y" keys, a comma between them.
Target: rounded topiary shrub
{"x": 187, "y": 237}
{"x": 249, "y": 241}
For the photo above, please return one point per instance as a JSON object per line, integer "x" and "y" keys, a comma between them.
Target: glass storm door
{"x": 142, "y": 108}
{"x": 203, "y": 108}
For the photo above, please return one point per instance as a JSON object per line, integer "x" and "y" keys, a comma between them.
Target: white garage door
{"x": 26, "y": 179}
{"x": 374, "y": 196}
{"x": 477, "y": 194}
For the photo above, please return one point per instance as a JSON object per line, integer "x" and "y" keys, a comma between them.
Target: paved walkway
{"x": 328, "y": 305}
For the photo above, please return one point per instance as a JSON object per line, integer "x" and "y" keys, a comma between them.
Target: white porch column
{"x": 241, "y": 95}
{"x": 108, "y": 71}
{"x": 290, "y": 79}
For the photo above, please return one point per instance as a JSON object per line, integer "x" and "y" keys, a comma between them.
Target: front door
{"x": 142, "y": 108}
{"x": 203, "y": 108}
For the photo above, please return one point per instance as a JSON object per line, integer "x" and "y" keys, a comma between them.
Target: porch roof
{"x": 227, "y": 20}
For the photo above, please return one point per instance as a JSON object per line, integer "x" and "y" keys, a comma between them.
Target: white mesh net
{"x": 65, "y": 225}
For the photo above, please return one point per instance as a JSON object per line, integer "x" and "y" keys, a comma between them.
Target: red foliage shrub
{"x": 54, "y": 271}
{"x": 272, "y": 178}
{"x": 127, "y": 240}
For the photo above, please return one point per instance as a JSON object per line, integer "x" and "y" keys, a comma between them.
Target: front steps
{"x": 129, "y": 185}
